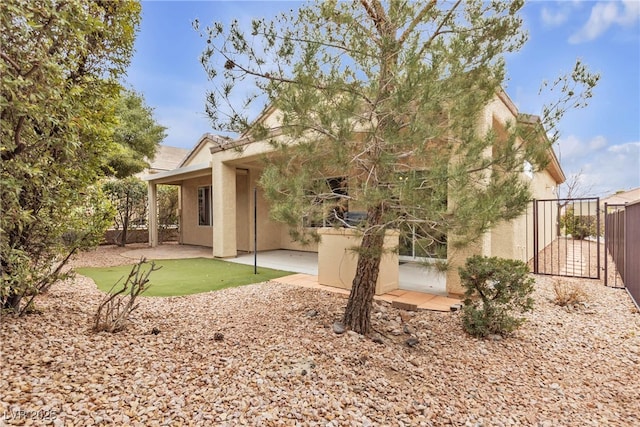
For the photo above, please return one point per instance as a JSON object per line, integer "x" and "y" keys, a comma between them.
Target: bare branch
{"x": 416, "y": 21}
{"x": 11, "y": 62}
{"x": 438, "y": 30}
{"x": 114, "y": 311}
{"x": 19, "y": 145}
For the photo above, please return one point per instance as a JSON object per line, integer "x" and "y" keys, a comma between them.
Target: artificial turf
{"x": 184, "y": 276}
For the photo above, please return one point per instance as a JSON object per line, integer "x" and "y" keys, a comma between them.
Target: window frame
{"x": 338, "y": 186}
{"x": 205, "y": 212}
{"x": 527, "y": 169}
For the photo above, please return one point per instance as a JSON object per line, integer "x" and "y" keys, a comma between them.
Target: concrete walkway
{"x": 305, "y": 265}
{"x": 575, "y": 265}
{"x": 407, "y": 300}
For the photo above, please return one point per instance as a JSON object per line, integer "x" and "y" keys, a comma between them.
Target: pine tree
{"x": 385, "y": 97}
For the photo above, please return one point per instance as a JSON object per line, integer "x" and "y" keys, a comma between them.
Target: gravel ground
{"x": 280, "y": 363}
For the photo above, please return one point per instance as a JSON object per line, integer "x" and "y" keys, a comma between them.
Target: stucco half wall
{"x": 337, "y": 261}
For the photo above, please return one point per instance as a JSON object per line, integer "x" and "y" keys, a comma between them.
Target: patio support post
{"x": 153, "y": 214}
{"x": 224, "y": 210}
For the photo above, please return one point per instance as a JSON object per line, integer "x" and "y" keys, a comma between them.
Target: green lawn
{"x": 185, "y": 276}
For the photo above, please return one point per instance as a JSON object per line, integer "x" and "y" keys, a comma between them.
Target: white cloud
{"x": 597, "y": 143}
{"x": 604, "y": 15}
{"x": 631, "y": 12}
{"x": 555, "y": 18}
{"x": 631, "y": 148}
{"x": 572, "y": 147}
{"x": 603, "y": 168}
{"x": 569, "y": 147}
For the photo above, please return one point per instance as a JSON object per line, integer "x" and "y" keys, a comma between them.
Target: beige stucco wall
{"x": 511, "y": 240}
{"x": 337, "y": 262}
{"x": 287, "y": 243}
{"x": 201, "y": 155}
{"x": 542, "y": 187}
{"x": 514, "y": 239}
{"x": 456, "y": 259}
{"x": 191, "y": 232}
{"x": 269, "y": 231}
{"x": 496, "y": 110}
{"x": 244, "y": 213}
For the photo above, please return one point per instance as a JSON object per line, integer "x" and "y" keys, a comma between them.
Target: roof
{"x": 167, "y": 158}
{"x": 180, "y": 174}
{"x": 208, "y": 139}
{"x": 554, "y": 167}
{"x": 623, "y": 197}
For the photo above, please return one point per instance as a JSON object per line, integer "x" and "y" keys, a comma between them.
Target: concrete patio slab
{"x": 421, "y": 300}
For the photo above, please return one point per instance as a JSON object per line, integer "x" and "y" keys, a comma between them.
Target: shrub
{"x": 129, "y": 198}
{"x": 114, "y": 310}
{"x": 568, "y": 294}
{"x": 167, "y": 210}
{"x": 579, "y": 226}
{"x": 496, "y": 290}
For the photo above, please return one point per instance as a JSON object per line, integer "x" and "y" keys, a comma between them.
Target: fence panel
{"x": 566, "y": 237}
{"x": 632, "y": 251}
{"x": 614, "y": 242}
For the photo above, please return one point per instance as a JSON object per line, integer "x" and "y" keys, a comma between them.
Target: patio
{"x": 419, "y": 288}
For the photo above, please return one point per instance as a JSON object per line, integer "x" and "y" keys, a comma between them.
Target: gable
{"x": 201, "y": 153}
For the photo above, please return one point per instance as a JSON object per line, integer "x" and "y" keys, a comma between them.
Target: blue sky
{"x": 602, "y": 141}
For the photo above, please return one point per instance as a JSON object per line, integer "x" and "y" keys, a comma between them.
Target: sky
{"x": 599, "y": 144}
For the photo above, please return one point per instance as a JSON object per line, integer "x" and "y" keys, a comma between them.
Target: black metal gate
{"x": 566, "y": 237}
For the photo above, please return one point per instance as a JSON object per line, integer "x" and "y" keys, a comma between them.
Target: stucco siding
{"x": 269, "y": 231}
{"x": 191, "y": 232}
{"x": 543, "y": 186}
{"x": 287, "y": 243}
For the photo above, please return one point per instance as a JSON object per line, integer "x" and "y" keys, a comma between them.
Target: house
{"x": 167, "y": 158}
{"x": 621, "y": 197}
{"x": 217, "y": 206}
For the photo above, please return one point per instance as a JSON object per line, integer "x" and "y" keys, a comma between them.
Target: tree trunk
{"x": 125, "y": 224}
{"x": 357, "y": 314}
{"x": 12, "y": 302}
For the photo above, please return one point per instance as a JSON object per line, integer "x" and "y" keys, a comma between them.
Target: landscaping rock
{"x": 338, "y": 328}
{"x": 549, "y": 372}
{"x": 412, "y": 342}
{"x": 377, "y": 338}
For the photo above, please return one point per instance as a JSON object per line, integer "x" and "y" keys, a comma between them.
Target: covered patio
{"x": 419, "y": 288}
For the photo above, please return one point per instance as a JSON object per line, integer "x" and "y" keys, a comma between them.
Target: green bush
{"x": 496, "y": 290}
{"x": 579, "y": 226}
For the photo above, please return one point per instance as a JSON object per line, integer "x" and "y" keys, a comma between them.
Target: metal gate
{"x": 566, "y": 237}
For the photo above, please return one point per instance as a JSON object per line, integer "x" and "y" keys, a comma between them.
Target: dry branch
{"x": 114, "y": 310}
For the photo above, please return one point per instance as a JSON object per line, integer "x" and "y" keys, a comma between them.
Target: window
{"x": 330, "y": 203}
{"x": 421, "y": 198}
{"x": 528, "y": 169}
{"x": 205, "y": 216}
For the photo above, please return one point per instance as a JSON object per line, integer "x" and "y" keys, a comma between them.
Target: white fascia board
{"x": 177, "y": 172}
